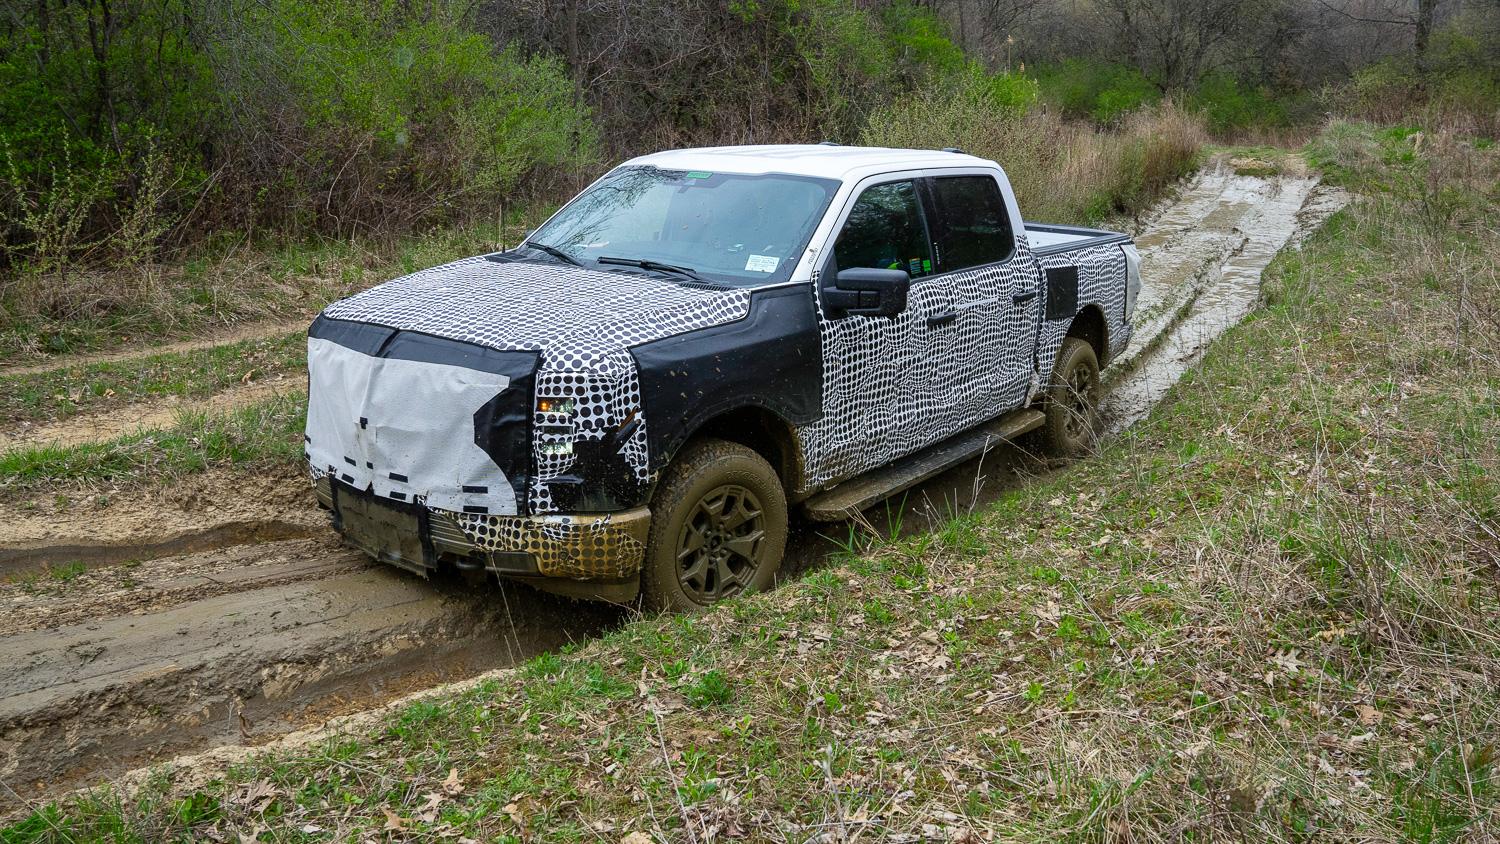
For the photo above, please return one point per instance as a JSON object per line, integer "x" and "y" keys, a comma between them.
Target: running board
{"x": 858, "y": 493}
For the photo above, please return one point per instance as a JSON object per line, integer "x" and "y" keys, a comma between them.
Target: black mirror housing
{"x": 866, "y": 291}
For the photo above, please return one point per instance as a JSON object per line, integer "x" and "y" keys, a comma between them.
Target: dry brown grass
{"x": 1062, "y": 171}
{"x": 71, "y": 308}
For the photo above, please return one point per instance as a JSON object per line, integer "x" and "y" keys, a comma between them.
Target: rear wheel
{"x": 718, "y": 528}
{"x": 1072, "y": 400}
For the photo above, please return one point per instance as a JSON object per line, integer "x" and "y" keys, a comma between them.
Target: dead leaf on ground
{"x": 451, "y": 786}
{"x": 394, "y": 822}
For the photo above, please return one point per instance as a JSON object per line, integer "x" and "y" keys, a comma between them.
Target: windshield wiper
{"x": 648, "y": 264}
{"x": 554, "y": 252}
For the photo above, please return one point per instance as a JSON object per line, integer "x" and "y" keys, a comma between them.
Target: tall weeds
{"x": 1062, "y": 171}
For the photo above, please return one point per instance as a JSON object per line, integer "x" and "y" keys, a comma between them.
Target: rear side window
{"x": 886, "y": 231}
{"x": 972, "y": 228}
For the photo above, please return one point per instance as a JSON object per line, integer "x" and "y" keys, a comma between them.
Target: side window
{"x": 972, "y": 228}
{"x": 885, "y": 230}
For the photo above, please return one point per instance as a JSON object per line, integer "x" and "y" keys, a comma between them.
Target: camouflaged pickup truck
{"x": 635, "y": 400}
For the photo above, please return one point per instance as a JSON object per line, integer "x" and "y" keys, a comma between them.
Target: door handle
{"x": 1023, "y": 298}
{"x": 941, "y": 319}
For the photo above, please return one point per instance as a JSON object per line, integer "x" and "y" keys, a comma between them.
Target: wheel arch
{"x": 762, "y": 431}
{"x": 1090, "y": 326}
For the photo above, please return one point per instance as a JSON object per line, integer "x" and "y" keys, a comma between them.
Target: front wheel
{"x": 1072, "y": 400}
{"x": 718, "y": 528}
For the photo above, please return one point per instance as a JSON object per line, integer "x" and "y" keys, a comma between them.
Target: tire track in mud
{"x": 147, "y": 629}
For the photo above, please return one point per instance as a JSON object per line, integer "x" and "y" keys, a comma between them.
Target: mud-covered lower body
{"x": 595, "y": 556}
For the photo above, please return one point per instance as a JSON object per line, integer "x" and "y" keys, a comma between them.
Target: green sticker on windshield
{"x": 699, "y": 174}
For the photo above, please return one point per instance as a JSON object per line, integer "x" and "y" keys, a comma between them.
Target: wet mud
{"x": 224, "y": 613}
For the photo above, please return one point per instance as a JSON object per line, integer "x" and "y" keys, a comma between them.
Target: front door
{"x": 876, "y": 382}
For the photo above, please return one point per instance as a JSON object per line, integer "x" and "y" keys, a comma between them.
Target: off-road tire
{"x": 706, "y": 475}
{"x": 1071, "y": 401}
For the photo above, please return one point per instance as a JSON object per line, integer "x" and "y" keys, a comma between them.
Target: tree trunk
{"x": 1425, "y": 9}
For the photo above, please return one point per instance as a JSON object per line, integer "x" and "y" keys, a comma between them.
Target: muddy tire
{"x": 718, "y": 528}
{"x": 1072, "y": 400}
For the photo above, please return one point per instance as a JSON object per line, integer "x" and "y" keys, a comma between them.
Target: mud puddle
{"x": 126, "y": 661}
{"x": 1254, "y": 220}
{"x": 120, "y": 667}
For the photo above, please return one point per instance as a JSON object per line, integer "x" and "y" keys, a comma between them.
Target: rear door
{"x": 985, "y": 344}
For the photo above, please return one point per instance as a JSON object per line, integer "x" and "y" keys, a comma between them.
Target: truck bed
{"x": 1049, "y": 239}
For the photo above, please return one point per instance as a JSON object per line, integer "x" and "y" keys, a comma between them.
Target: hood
{"x": 573, "y": 316}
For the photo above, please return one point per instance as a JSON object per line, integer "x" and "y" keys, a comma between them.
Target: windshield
{"x": 723, "y": 227}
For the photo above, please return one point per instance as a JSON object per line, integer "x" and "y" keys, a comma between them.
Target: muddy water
{"x": 1201, "y": 279}
{"x": 137, "y": 633}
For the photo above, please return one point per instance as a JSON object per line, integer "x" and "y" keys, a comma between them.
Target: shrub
{"x": 1060, "y": 170}
{"x": 116, "y": 124}
{"x": 1098, "y": 91}
{"x": 1456, "y": 87}
{"x": 1229, "y": 106}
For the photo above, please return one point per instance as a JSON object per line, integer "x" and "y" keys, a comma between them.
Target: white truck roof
{"x": 821, "y": 160}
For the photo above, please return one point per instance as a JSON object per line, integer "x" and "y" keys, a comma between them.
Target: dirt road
{"x": 223, "y": 612}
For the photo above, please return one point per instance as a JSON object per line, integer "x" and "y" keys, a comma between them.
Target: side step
{"x": 860, "y": 492}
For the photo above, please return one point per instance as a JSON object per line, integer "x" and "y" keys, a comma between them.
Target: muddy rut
{"x": 223, "y": 612}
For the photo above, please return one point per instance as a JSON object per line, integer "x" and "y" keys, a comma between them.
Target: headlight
{"x": 557, "y": 449}
{"x": 555, "y": 405}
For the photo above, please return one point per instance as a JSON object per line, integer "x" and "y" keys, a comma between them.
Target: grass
{"x": 99, "y": 387}
{"x": 229, "y": 280}
{"x": 267, "y": 432}
{"x": 1268, "y": 612}
{"x": 1061, "y": 171}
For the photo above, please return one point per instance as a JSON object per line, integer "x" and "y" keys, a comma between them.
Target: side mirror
{"x": 865, "y": 291}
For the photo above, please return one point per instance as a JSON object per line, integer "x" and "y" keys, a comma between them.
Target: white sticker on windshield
{"x": 762, "y": 263}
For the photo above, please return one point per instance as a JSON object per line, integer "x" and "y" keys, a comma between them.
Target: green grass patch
{"x": 263, "y": 433}
{"x": 98, "y": 387}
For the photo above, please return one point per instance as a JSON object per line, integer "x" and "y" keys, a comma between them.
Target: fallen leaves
{"x": 451, "y": 785}
{"x": 254, "y": 797}
{"x": 394, "y": 822}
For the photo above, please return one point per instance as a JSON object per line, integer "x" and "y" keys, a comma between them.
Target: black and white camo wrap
{"x": 582, "y": 322}
{"x": 890, "y": 386}
{"x": 894, "y": 386}
{"x": 1101, "y": 282}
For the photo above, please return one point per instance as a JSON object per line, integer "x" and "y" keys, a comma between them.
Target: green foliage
{"x": 354, "y": 113}
{"x": 919, "y": 41}
{"x": 951, "y": 110}
{"x": 1231, "y": 106}
{"x": 1102, "y": 92}
{"x": 426, "y": 92}
{"x": 711, "y": 689}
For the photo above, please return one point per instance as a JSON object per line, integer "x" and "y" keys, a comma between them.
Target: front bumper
{"x": 602, "y": 546}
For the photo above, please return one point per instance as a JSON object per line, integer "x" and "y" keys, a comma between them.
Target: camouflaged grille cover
{"x": 582, "y": 322}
